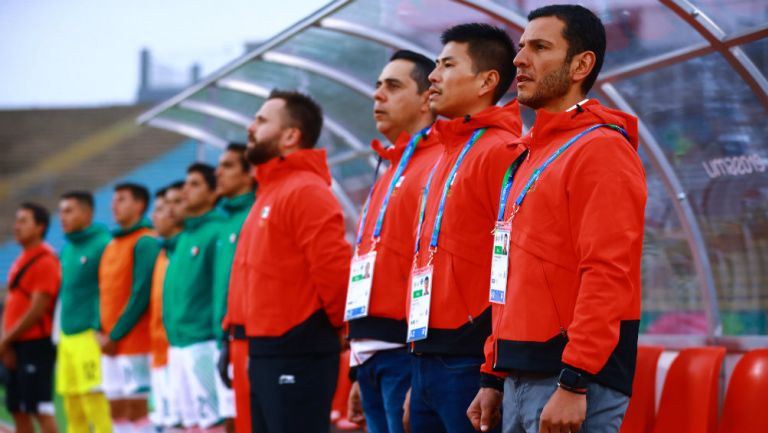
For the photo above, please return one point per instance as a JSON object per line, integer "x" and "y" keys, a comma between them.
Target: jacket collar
{"x": 170, "y": 244}
{"x": 85, "y": 234}
{"x": 143, "y": 223}
{"x": 238, "y": 203}
{"x": 395, "y": 152}
{"x": 453, "y": 133}
{"x": 312, "y": 160}
{"x": 192, "y": 223}
{"x": 550, "y": 125}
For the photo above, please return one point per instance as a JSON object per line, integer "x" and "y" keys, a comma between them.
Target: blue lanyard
{"x": 409, "y": 150}
{"x": 446, "y": 188}
{"x": 506, "y": 184}
{"x": 424, "y": 194}
{"x": 537, "y": 173}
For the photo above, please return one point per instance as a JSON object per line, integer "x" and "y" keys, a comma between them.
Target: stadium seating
{"x": 744, "y": 410}
{"x": 642, "y": 406}
{"x": 690, "y": 394}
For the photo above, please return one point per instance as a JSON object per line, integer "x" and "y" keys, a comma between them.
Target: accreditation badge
{"x": 421, "y": 295}
{"x": 500, "y": 262}
{"x": 359, "y": 288}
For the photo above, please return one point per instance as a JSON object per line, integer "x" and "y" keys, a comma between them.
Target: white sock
{"x": 143, "y": 426}
{"x": 122, "y": 426}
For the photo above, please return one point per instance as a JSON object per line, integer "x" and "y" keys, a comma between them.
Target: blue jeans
{"x": 443, "y": 386}
{"x": 525, "y": 397}
{"x": 384, "y": 379}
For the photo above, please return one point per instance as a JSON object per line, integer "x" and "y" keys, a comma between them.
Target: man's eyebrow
{"x": 524, "y": 42}
{"x": 444, "y": 59}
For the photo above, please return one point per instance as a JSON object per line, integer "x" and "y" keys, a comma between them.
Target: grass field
{"x": 6, "y": 421}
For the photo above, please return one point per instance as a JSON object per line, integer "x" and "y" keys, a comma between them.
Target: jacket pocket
{"x": 537, "y": 307}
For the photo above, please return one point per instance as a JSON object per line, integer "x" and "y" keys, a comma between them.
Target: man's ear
{"x": 582, "y": 65}
{"x": 490, "y": 82}
{"x": 291, "y": 138}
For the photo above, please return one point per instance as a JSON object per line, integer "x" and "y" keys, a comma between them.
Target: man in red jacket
{"x": 566, "y": 316}
{"x": 379, "y": 271}
{"x": 290, "y": 270}
{"x": 449, "y": 313}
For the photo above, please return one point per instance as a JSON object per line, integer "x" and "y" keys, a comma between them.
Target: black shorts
{"x": 30, "y": 384}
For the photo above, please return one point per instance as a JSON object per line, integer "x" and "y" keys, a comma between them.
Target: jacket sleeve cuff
{"x": 585, "y": 374}
{"x": 491, "y": 381}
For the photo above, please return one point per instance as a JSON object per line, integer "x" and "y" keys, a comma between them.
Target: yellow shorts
{"x": 78, "y": 365}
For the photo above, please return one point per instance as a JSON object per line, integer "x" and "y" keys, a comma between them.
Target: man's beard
{"x": 261, "y": 153}
{"x": 554, "y": 85}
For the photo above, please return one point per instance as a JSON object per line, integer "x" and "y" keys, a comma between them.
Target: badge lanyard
{"x": 537, "y": 173}
{"x": 502, "y": 232}
{"x": 446, "y": 188}
{"x": 401, "y": 166}
{"x": 420, "y": 291}
{"x": 501, "y": 235}
{"x": 362, "y": 267}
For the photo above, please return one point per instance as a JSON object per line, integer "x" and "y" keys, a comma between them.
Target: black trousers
{"x": 292, "y": 394}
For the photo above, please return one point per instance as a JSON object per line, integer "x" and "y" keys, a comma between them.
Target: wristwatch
{"x": 573, "y": 381}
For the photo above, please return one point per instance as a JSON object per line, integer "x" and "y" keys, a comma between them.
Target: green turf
{"x": 61, "y": 421}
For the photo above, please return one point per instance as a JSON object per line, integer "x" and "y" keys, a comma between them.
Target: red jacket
{"x": 394, "y": 251}
{"x": 460, "y": 316}
{"x": 573, "y": 291}
{"x": 291, "y": 265}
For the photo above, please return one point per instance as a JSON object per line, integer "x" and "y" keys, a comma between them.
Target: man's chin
{"x": 529, "y": 102}
{"x": 447, "y": 112}
{"x": 258, "y": 158}
{"x": 259, "y": 162}
{"x": 383, "y": 127}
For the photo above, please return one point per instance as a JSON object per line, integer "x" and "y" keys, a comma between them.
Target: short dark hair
{"x": 303, "y": 113}
{"x": 422, "y": 67}
{"x": 240, "y": 148}
{"x": 160, "y": 193}
{"x": 40, "y": 215}
{"x": 139, "y": 192}
{"x": 206, "y": 171}
{"x": 179, "y": 184}
{"x": 490, "y": 48}
{"x": 583, "y": 31}
{"x": 85, "y": 198}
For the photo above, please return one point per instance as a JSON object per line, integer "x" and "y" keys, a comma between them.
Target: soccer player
{"x": 235, "y": 185}
{"x": 78, "y": 367}
{"x": 125, "y": 278}
{"x": 163, "y": 413}
{"x": 188, "y": 303}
